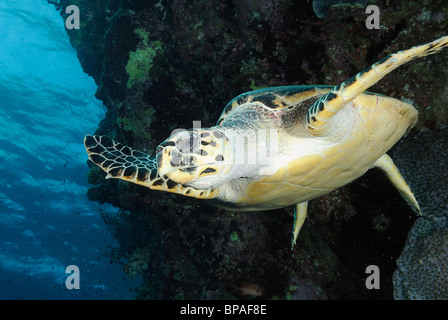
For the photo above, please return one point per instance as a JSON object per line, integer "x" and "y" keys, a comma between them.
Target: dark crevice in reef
{"x": 160, "y": 65}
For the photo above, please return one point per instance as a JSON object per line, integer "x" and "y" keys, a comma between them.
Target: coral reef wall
{"x": 159, "y": 65}
{"x": 422, "y": 267}
{"x": 422, "y": 271}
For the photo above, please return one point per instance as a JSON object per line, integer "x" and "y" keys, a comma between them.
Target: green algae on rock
{"x": 142, "y": 59}
{"x": 138, "y": 123}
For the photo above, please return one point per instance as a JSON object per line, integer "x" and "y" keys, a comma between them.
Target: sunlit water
{"x": 47, "y": 105}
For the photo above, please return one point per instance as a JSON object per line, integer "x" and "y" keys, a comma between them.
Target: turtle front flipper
{"x": 300, "y": 211}
{"x": 386, "y": 164}
{"x": 121, "y": 162}
{"x": 329, "y": 104}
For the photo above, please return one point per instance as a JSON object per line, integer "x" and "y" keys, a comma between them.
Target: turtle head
{"x": 195, "y": 157}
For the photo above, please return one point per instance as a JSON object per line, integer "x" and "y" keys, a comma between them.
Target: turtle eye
{"x": 166, "y": 143}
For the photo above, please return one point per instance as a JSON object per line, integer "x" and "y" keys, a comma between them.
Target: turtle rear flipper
{"x": 300, "y": 211}
{"x": 329, "y": 104}
{"x": 121, "y": 162}
{"x": 386, "y": 164}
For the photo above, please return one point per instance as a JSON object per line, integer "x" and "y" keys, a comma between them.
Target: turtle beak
{"x": 163, "y": 163}
{"x": 163, "y": 155}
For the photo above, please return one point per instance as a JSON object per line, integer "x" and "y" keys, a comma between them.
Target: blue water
{"x": 47, "y": 105}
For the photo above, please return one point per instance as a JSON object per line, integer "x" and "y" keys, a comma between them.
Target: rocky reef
{"x": 159, "y": 65}
{"x": 422, "y": 268}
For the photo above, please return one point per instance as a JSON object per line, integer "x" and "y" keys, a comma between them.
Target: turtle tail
{"x": 329, "y": 104}
{"x": 121, "y": 162}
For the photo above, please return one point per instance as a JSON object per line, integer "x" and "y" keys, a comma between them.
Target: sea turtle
{"x": 279, "y": 146}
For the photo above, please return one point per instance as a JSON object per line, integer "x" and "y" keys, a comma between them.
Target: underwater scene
{"x": 235, "y": 150}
